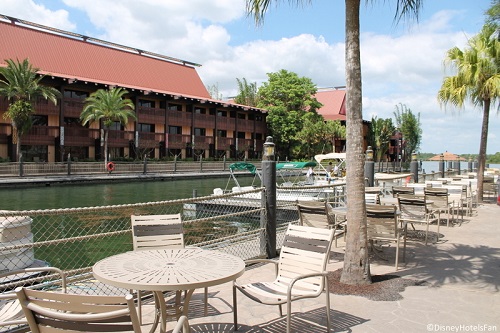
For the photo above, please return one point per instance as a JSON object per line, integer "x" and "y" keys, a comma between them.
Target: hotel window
{"x": 116, "y": 126}
{"x": 241, "y": 135}
{"x": 174, "y": 130}
{"x": 146, "y": 104}
{"x": 241, "y": 116}
{"x": 232, "y": 114}
{"x": 68, "y": 121}
{"x": 199, "y": 131}
{"x": 148, "y": 128}
{"x": 258, "y": 117}
{"x": 200, "y": 110}
{"x": 222, "y": 133}
{"x": 174, "y": 107}
{"x": 39, "y": 120}
{"x": 258, "y": 136}
{"x": 76, "y": 94}
{"x": 211, "y": 112}
{"x": 221, "y": 113}
{"x": 251, "y": 116}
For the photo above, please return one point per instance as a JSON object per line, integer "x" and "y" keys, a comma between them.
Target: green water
{"x": 90, "y": 195}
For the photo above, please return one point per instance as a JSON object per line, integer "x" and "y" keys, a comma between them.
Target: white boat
{"x": 293, "y": 186}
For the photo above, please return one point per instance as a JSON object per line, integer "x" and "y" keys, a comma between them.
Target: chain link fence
{"x": 74, "y": 239}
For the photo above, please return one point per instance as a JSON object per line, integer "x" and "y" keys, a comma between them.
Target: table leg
{"x": 161, "y": 306}
{"x": 187, "y": 298}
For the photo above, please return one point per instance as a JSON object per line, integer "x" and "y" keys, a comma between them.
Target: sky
{"x": 402, "y": 64}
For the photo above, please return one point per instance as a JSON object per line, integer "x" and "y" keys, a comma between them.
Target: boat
{"x": 292, "y": 186}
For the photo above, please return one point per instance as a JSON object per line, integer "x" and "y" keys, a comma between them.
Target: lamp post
{"x": 414, "y": 167}
{"x": 369, "y": 167}
{"x": 269, "y": 197}
{"x": 441, "y": 165}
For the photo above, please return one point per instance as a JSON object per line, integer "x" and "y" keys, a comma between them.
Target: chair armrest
{"x": 301, "y": 277}
{"x": 266, "y": 261}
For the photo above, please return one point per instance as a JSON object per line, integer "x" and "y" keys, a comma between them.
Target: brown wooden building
{"x": 175, "y": 114}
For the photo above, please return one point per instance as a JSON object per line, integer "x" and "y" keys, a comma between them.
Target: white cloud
{"x": 404, "y": 67}
{"x": 30, "y": 11}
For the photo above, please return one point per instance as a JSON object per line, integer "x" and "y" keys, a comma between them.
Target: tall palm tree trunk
{"x": 356, "y": 265}
{"x": 482, "y": 149}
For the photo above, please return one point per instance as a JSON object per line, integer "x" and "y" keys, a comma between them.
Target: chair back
{"x": 314, "y": 214}
{"x": 412, "y": 207}
{"x": 157, "y": 231}
{"x": 305, "y": 250}
{"x": 402, "y": 190}
{"x": 372, "y": 198}
{"x": 439, "y": 197}
{"x": 381, "y": 221}
{"x": 40, "y": 278}
{"x": 59, "y": 312}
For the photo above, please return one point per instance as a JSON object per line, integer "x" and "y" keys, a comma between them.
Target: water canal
{"x": 90, "y": 195}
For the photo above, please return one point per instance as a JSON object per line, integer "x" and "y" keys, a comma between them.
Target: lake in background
{"x": 90, "y": 195}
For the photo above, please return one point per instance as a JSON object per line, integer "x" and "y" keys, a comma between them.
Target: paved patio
{"x": 461, "y": 293}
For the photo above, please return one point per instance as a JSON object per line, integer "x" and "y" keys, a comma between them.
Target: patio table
{"x": 168, "y": 270}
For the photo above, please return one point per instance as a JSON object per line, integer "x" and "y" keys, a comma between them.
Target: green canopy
{"x": 295, "y": 165}
{"x": 243, "y": 166}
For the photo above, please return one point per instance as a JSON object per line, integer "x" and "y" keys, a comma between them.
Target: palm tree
{"x": 107, "y": 106}
{"x": 247, "y": 93}
{"x": 21, "y": 86}
{"x": 356, "y": 265}
{"x": 477, "y": 80}
{"x": 382, "y": 131}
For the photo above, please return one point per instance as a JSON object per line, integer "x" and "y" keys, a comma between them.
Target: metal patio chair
{"x": 158, "y": 232}
{"x": 382, "y": 225}
{"x": 300, "y": 272}
{"x": 414, "y": 210}
{"x": 11, "y": 313}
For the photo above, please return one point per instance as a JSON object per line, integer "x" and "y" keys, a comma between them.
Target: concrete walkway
{"x": 461, "y": 293}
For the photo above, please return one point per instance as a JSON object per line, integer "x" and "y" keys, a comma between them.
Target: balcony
{"x": 149, "y": 140}
{"x": 177, "y": 141}
{"x": 40, "y": 136}
{"x": 120, "y": 138}
{"x": 45, "y": 107}
{"x": 80, "y": 136}
{"x": 72, "y": 107}
{"x": 150, "y": 115}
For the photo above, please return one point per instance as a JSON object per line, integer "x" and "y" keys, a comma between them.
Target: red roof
{"x": 72, "y": 58}
{"x": 333, "y": 101}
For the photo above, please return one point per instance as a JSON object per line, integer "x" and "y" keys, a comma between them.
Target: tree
{"x": 21, "y": 86}
{"x": 247, "y": 93}
{"x": 356, "y": 265}
{"x": 477, "y": 80}
{"x": 213, "y": 91}
{"x": 107, "y": 106}
{"x": 287, "y": 97}
{"x": 409, "y": 126}
{"x": 381, "y": 133}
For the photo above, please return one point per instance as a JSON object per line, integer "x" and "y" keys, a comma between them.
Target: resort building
{"x": 176, "y": 116}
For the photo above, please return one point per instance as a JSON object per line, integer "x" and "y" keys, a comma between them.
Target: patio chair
{"x": 440, "y": 204}
{"x": 413, "y": 209}
{"x": 151, "y": 232}
{"x": 457, "y": 198}
{"x": 317, "y": 214}
{"x": 402, "y": 190}
{"x": 11, "y": 313}
{"x": 300, "y": 272}
{"x": 382, "y": 225}
{"x": 58, "y": 312}
{"x": 372, "y": 198}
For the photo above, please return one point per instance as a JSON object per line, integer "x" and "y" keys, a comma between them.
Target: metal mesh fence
{"x": 74, "y": 239}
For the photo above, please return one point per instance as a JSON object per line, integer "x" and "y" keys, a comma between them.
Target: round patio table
{"x": 168, "y": 270}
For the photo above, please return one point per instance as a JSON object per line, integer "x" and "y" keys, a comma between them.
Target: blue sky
{"x": 400, "y": 64}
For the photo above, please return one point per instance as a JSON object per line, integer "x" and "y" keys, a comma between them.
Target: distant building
{"x": 333, "y": 100}
{"x": 175, "y": 114}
